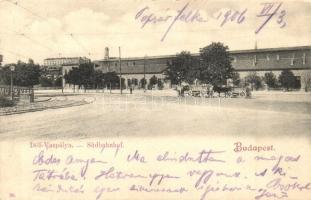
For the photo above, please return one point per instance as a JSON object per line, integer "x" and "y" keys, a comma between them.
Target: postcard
{"x": 155, "y": 99}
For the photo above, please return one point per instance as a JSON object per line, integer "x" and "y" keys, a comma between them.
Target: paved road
{"x": 136, "y": 115}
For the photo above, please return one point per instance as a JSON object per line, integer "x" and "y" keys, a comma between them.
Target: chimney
{"x": 106, "y": 53}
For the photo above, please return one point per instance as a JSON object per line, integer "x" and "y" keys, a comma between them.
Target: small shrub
{"x": 5, "y": 102}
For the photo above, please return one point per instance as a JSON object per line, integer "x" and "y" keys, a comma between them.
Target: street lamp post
{"x": 12, "y": 68}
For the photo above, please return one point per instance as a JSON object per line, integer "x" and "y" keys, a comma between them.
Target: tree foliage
{"x": 254, "y": 80}
{"x": 143, "y": 82}
{"x": 306, "y": 80}
{"x": 182, "y": 68}
{"x": 111, "y": 79}
{"x": 236, "y": 78}
{"x": 47, "y": 81}
{"x": 287, "y": 79}
{"x": 270, "y": 79}
{"x": 85, "y": 75}
{"x": 215, "y": 67}
{"x": 25, "y": 74}
{"x": 153, "y": 80}
{"x": 160, "y": 84}
{"x": 73, "y": 77}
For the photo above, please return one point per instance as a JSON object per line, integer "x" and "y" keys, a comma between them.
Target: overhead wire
{"x": 29, "y": 38}
{"x": 15, "y": 53}
{"x": 72, "y": 36}
{"x": 16, "y": 3}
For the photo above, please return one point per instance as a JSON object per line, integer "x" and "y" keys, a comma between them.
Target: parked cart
{"x": 204, "y": 90}
{"x": 238, "y": 92}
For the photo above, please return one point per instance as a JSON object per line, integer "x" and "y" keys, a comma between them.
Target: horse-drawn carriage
{"x": 208, "y": 90}
{"x": 205, "y": 90}
{"x": 230, "y": 91}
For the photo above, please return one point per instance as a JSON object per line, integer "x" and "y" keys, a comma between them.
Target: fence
{"x": 19, "y": 93}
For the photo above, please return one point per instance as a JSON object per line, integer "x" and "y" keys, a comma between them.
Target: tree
{"x": 25, "y": 74}
{"x": 287, "y": 79}
{"x": 143, "y": 82}
{"x": 111, "y": 79}
{"x": 153, "y": 80}
{"x": 253, "y": 79}
{"x": 160, "y": 84}
{"x": 215, "y": 67}
{"x": 73, "y": 77}
{"x": 45, "y": 81}
{"x": 306, "y": 80}
{"x": 5, "y": 75}
{"x": 98, "y": 78}
{"x": 270, "y": 79}
{"x": 236, "y": 78}
{"x": 86, "y": 74}
{"x": 182, "y": 69}
{"x": 58, "y": 82}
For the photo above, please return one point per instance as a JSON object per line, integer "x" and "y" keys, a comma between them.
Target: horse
{"x": 221, "y": 89}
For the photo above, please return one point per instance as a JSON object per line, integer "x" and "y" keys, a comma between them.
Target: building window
{"x": 304, "y": 59}
{"x": 277, "y": 57}
{"x": 267, "y": 56}
{"x": 134, "y": 63}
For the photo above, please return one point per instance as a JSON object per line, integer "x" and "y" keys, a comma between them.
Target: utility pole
{"x": 62, "y": 73}
{"x": 1, "y": 59}
{"x": 145, "y": 74}
{"x": 94, "y": 84}
{"x": 63, "y": 77}
{"x": 12, "y": 69}
{"x": 62, "y": 83}
{"x": 120, "y": 70}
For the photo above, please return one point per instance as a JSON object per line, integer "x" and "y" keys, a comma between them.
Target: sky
{"x": 40, "y": 29}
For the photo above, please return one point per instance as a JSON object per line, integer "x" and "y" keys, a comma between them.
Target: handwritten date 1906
{"x": 187, "y": 15}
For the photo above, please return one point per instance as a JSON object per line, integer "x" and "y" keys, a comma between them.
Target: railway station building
{"x": 134, "y": 69}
